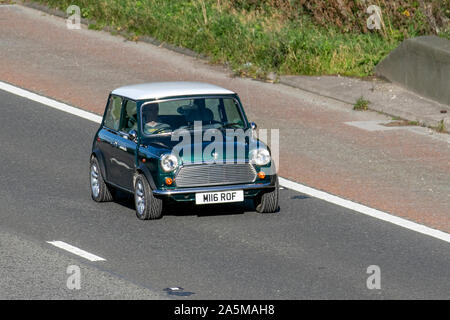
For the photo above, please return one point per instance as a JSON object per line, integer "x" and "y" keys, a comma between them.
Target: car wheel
{"x": 100, "y": 191}
{"x": 147, "y": 206}
{"x": 268, "y": 202}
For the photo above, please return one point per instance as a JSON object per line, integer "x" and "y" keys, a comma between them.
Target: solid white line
{"x": 50, "y": 102}
{"x": 283, "y": 182}
{"x": 365, "y": 210}
{"x": 75, "y": 250}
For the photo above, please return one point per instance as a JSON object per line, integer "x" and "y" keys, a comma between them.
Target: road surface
{"x": 310, "y": 249}
{"x": 324, "y": 144}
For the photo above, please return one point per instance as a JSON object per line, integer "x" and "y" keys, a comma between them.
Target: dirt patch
{"x": 401, "y": 123}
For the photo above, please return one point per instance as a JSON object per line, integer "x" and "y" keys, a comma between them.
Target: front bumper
{"x": 266, "y": 187}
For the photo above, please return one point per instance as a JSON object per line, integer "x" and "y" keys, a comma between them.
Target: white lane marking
{"x": 75, "y": 250}
{"x": 365, "y": 210}
{"x": 283, "y": 182}
{"x": 50, "y": 102}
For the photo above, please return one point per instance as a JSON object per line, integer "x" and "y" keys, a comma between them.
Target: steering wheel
{"x": 159, "y": 130}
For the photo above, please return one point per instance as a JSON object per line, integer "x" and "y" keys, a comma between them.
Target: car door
{"x": 108, "y": 136}
{"x": 124, "y": 153}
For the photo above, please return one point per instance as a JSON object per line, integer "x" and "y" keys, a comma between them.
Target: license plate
{"x": 219, "y": 197}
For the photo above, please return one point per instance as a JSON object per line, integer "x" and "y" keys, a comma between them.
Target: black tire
{"x": 104, "y": 192}
{"x": 268, "y": 202}
{"x": 148, "y": 207}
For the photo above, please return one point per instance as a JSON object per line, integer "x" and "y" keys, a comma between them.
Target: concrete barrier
{"x": 421, "y": 65}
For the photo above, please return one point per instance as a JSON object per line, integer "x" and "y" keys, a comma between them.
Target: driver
{"x": 150, "y": 119}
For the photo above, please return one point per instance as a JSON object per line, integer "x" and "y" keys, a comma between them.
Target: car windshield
{"x": 167, "y": 116}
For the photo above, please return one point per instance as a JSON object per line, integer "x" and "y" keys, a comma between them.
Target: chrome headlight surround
{"x": 168, "y": 162}
{"x": 260, "y": 157}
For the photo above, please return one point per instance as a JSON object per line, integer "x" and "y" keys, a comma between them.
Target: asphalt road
{"x": 309, "y": 250}
{"x": 324, "y": 143}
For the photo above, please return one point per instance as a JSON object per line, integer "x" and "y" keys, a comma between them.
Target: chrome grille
{"x": 198, "y": 175}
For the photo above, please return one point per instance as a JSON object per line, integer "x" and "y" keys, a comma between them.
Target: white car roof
{"x": 158, "y": 90}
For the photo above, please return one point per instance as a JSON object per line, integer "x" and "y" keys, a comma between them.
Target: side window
{"x": 112, "y": 116}
{"x": 129, "y": 116}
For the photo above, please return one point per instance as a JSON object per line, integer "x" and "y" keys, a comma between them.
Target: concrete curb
{"x": 384, "y": 97}
{"x": 421, "y": 65}
{"x": 447, "y": 124}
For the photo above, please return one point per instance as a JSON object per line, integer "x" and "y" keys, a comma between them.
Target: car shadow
{"x": 300, "y": 197}
{"x": 124, "y": 199}
{"x": 211, "y": 210}
{"x": 173, "y": 208}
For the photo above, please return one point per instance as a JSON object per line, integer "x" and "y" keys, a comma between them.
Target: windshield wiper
{"x": 231, "y": 124}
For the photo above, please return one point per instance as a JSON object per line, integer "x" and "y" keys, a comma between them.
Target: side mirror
{"x": 133, "y": 135}
{"x": 253, "y": 127}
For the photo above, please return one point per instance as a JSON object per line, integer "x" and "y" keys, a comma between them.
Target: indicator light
{"x": 169, "y": 181}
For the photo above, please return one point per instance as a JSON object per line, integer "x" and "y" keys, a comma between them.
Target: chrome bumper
{"x": 252, "y": 186}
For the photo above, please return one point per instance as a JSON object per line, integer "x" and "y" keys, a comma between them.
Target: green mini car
{"x": 183, "y": 142}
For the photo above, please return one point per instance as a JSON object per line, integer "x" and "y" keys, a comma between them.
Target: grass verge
{"x": 252, "y": 42}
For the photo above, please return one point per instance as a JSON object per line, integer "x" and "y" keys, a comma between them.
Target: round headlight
{"x": 169, "y": 162}
{"x": 260, "y": 157}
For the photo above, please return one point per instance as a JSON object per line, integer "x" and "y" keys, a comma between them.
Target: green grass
{"x": 361, "y": 104}
{"x": 441, "y": 127}
{"x": 252, "y": 43}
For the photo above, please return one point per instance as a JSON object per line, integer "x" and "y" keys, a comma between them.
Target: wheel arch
{"x": 101, "y": 161}
{"x": 142, "y": 169}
